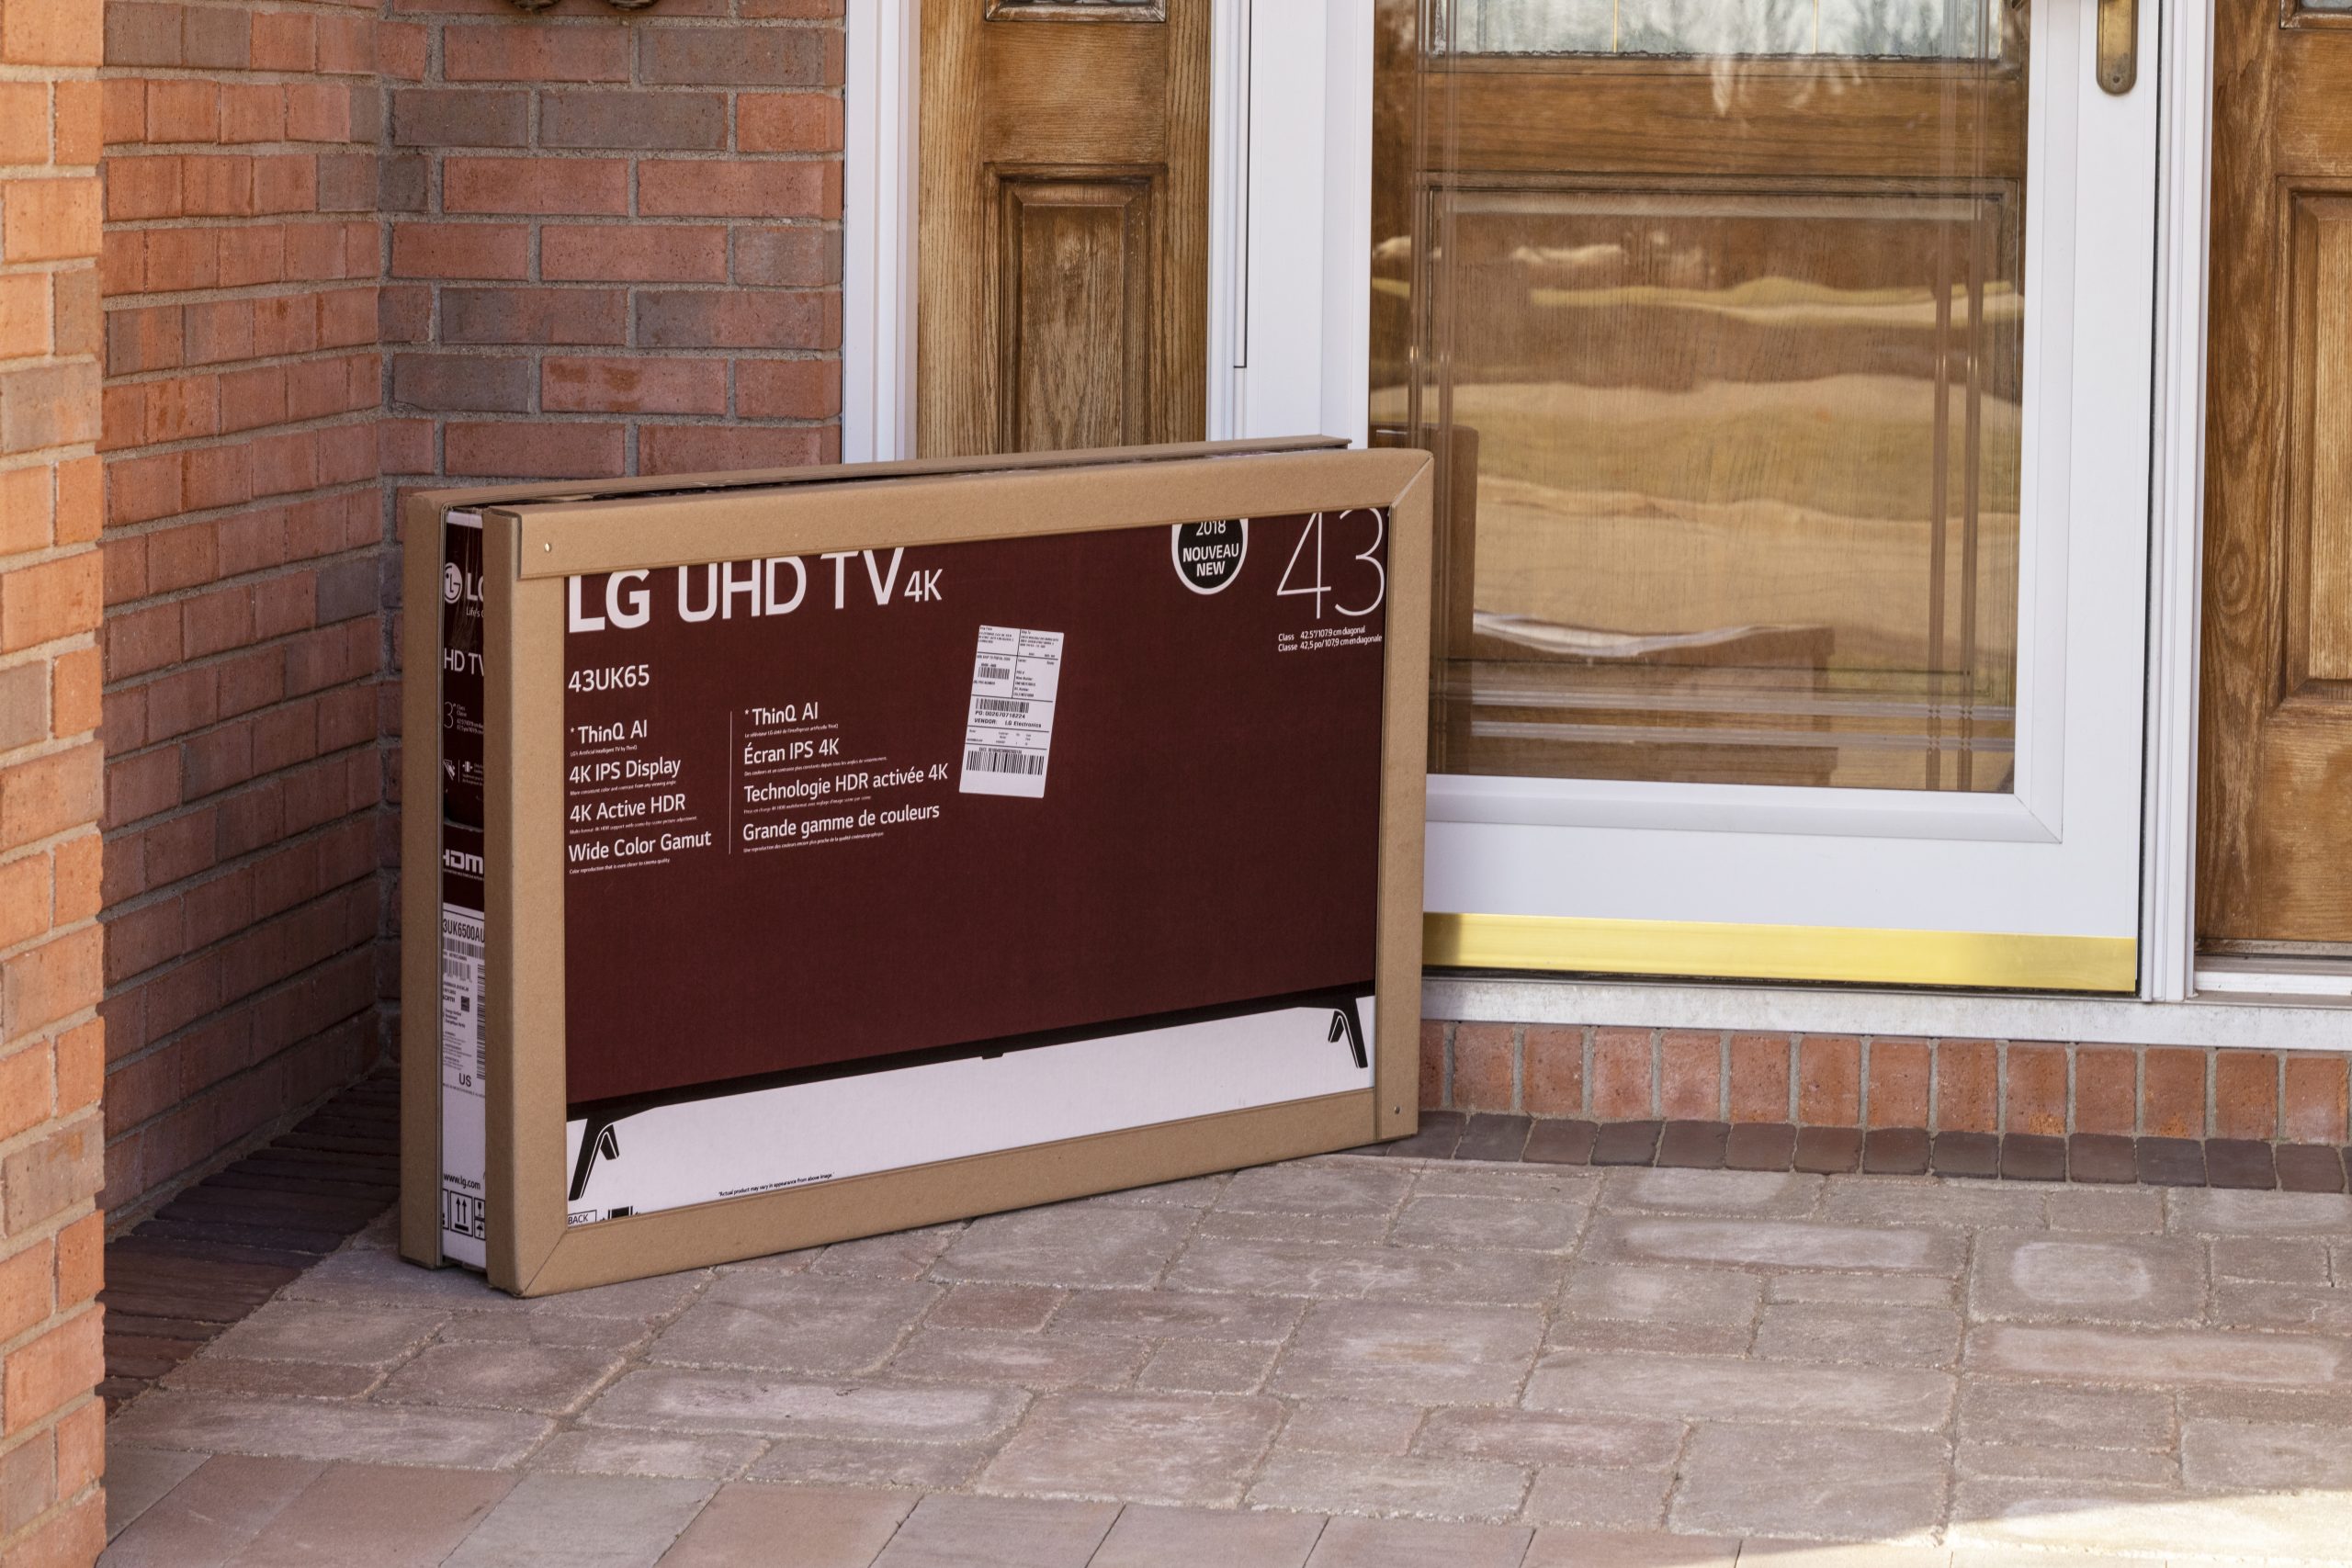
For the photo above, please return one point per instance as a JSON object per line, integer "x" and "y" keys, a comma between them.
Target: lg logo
{"x": 453, "y": 584}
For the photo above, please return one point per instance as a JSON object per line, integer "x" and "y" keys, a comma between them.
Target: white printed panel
{"x": 463, "y": 1099}
{"x": 764, "y": 1139}
{"x": 1009, "y": 729}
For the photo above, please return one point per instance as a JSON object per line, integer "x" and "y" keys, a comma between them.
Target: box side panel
{"x": 1396, "y": 1110}
{"x": 420, "y": 885}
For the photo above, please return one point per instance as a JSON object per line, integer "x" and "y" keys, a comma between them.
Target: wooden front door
{"x": 2275, "y": 798}
{"x": 1063, "y": 229}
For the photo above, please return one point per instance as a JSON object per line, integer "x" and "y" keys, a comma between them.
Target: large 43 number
{"x": 1369, "y": 556}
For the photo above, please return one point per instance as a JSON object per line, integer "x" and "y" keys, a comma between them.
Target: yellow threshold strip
{"x": 1699, "y": 950}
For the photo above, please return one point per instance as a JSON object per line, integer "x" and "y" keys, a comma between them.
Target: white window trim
{"x": 1289, "y": 295}
{"x": 880, "y": 96}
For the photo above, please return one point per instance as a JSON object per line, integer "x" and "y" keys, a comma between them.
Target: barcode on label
{"x": 998, "y": 705}
{"x": 995, "y": 672}
{"x": 1005, "y": 760}
{"x": 459, "y": 948}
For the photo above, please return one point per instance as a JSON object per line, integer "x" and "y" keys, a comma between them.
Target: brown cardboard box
{"x": 765, "y": 839}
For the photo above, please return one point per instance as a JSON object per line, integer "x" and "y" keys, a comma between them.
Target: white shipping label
{"x": 463, "y": 1100}
{"x": 1009, "y": 729}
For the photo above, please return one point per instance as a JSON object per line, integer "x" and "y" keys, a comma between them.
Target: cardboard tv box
{"x": 797, "y": 856}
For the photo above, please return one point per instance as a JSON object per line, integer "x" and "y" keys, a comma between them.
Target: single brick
{"x": 713, "y": 448}
{"x": 1560, "y": 1141}
{"x": 1693, "y": 1144}
{"x": 1967, "y": 1087}
{"x": 731, "y": 57}
{"x": 1435, "y": 1139}
{"x": 1759, "y": 1078}
{"x": 216, "y": 37}
{"x": 1966, "y": 1154}
{"x": 788, "y": 389}
{"x": 654, "y": 121}
{"x": 51, "y": 219}
{"x": 1494, "y": 1136}
{"x": 460, "y": 117}
{"x": 1552, "y": 1069}
{"x": 2032, "y": 1157}
{"x": 560, "y": 186}
{"x": 552, "y": 451}
{"x": 739, "y": 188}
{"x": 2101, "y": 1157}
{"x": 2107, "y": 1091}
{"x": 1690, "y": 1074}
{"x": 2245, "y": 1094}
{"x": 467, "y": 382}
{"x": 2035, "y": 1098}
{"x": 788, "y": 122}
{"x": 789, "y": 256}
{"x": 1895, "y": 1151}
{"x": 1829, "y": 1081}
{"x": 1483, "y": 1066}
{"x": 1897, "y": 1076}
{"x": 1828, "y": 1150}
{"x": 533, "y": 315}
{"x": 1626, "y": 1142}
{"x": 1622, "y": 1075}
{"x": 1760, "y": 1145}
{"x": 634, "y": 384}
{"x": 633, "y": 252}
{"x": 2172, "y": 1094}
{"x": 518, "y": 51}
{"x": 2314, "y": 1109}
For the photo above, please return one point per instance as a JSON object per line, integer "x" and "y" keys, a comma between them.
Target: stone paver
{"x": 1142, "y": 1447}
{"x": 998, "y": 1532}
{"x": 2089, "y": 1279}
{"x": 1191, "y": 1538}
{"x": 1382, "y": 1484}
{"x": 1825, "y": 1484}
{"x": 320, "y": 1428}
{"x": 560, "y": 1521}
{"x": 1414, "y": 1355}
{"x": 790, "y": 1527}
{"x": 212, "y": 1514}
{"x": 138, "y": 1478}
{"x": 690, "y": 1400}
{"x": 1343, "y": 1362}
{"x": 754, "y": 1317}
{"x": 1718, "y": 1389}
{"x": 376, "y": 1516}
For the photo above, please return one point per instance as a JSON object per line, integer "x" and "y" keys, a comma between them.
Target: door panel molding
{"x": 1077, "y": 252}
{"x": 1063, "y": 216}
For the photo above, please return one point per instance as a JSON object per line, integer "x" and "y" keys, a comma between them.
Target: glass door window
{"x": 1750, "y": 336}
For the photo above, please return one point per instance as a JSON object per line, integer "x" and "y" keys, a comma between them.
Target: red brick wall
{"x": 1605, "y": 1074}
{"x": 51, "y": 1043}
{"x": 614, "y": 240}
{"x": 613, "y": 246}
{"x": 245, "y": 557}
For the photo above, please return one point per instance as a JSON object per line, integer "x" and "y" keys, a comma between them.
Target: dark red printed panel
{"x": 834, "y": 807}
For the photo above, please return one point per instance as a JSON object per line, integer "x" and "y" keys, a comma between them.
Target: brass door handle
{"x": 2119, "y": 45}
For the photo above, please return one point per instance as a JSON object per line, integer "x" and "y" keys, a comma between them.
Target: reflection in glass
{"x": 1918, "y": 29}
{"x": 1721, "y": 355}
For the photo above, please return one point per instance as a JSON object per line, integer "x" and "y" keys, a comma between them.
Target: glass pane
{"x": 1950, "y": 29}
{"x": 1722, "y": 354}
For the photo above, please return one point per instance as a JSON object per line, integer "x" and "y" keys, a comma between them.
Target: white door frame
{"x": 1294, "y": 341}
